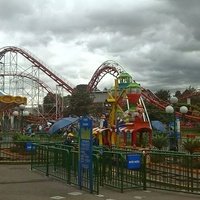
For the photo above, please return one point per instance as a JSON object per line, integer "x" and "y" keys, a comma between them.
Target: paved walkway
{"x": 18, "y": 182}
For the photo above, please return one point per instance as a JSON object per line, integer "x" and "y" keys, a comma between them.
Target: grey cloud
{"x": 12, "y": 9}
{"x": 156, "y": 42}
{"x": 188, "y": 13}
{"x": 30, "y": 40}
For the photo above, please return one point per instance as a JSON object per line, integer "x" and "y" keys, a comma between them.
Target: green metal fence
{"x": 14, "y": 152}
{"x": 161, "y": 170}
{"x": 62, "y": 162}
{"x": 173, "y": 171}
{"x": 115, "y": 173}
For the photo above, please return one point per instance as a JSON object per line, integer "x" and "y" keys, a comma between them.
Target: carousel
{"x": 9, "y": 103}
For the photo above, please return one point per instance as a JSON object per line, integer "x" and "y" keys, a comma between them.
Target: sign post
{"x": 85, "y": 151}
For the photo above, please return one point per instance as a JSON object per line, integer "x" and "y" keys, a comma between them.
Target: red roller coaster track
{"x": 153, "y": 99}
{"x": 196, "y": 93}
{"x": 108, "y": 67}
{"x": 29, "y": 76}
{"x": 38, "y": 64}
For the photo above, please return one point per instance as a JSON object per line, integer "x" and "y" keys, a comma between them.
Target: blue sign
{"x": 29, "y": 146}
{"x": 134, "y": 161}
{"x": 85, "y": 151}
{"x": 85, "y": 158}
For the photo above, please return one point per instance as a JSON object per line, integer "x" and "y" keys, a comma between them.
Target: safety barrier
{"x": 15, "y": 152}
{"x": 162, "y": 170}
{"x": 109, "y": 168}
{"x": 18, "y": 152}
{"x": 114, "y": 171}
{"x": 62, "y": 163}
{"x": 172, "y": 171}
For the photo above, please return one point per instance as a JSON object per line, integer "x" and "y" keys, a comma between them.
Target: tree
{"x": 80, "y": 101}
{"x": 156, "y": 113}
{"x": 163, "y": 94}
{"x": 97, "y": 109}
{"x": 66, "y": 100}
{"x": 178, "y": 94}
{"x": 49, "y": 103}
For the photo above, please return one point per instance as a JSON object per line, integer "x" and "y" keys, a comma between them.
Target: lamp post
{"x": 15, "y": 114}
{"x": 21, "y": 113}
{"x": 171, "y": 110}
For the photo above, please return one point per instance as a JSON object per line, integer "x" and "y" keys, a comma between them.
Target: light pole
{"x": 171, "y": 110}
{"x": 15, "y": 114}
{"x": 21, "y": 110}
{"x": 21, "y": 113}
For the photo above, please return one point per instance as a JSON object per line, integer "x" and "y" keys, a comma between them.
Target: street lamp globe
{"x": 25, "y": 113}
{"x": 169, "y": 109}
{"x": 15, "y": 113}
{"x": 173, "y": 100}
{"x": 183, "y": 109}
{"x": 22, "y": 107}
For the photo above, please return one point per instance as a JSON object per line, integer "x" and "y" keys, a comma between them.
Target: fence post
{"x": 32, "y": 157}
{"x": 96, "y": 167}
{"x": 122, "y": 172}
{"x": 47, "y": 165}
{"x": 144, "y": 174}
{"x": 55, "y": 162}
{"x": 69, "y": 163}
{"x": 191, "y": 172}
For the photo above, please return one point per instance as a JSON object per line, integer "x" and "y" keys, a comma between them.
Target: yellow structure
{"x": 113, "y": 100}
{"x": 7, "y": 102}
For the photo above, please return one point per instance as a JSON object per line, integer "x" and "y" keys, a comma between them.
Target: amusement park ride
{"x": 128, "y": 119}
{"x": 21, "y": 74}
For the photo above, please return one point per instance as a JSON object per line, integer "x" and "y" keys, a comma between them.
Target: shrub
{"x": 21, "y": 137}
{"x": 191, "y": 145}
{"x": 160, "y": 140}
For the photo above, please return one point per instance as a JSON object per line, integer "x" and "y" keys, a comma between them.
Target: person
{"x": 40, "y": 128}
{"x": 102, "y": 121}
{"x": 29, "y": 130}
{"x": 69, "y": 139}
{"x": 104, "y": 127}
{"x": 95, "y": 139}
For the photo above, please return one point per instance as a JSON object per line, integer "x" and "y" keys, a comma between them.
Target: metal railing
{"x": 15, "y": 152}
{"x": 173, "y": 171}
{"x": 115, "y": 173}
{"x": 62, "y": 163}
{"x": 164, "y": 170}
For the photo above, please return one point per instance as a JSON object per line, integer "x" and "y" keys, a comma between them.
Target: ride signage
{"x": 85, "y": 151}
{"x": 134, "y": 161}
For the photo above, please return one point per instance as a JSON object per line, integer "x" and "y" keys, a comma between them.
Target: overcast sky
{"x": 156, "y": 41}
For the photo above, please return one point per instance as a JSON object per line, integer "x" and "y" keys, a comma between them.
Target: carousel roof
{"x": 8, "y": 102}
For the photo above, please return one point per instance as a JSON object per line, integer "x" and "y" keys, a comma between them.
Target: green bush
{"x": 20, "y": 141}
{"x": 160, "y": 140}
{"x": 191, "y": 145}
{"x": 21, "y": 137}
